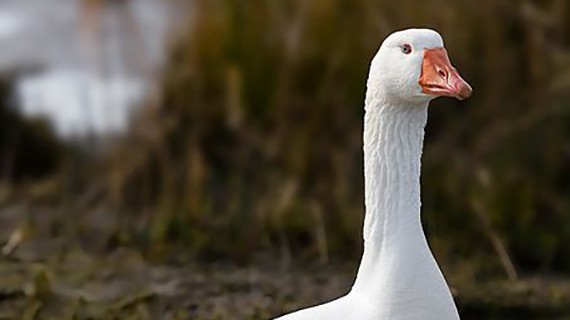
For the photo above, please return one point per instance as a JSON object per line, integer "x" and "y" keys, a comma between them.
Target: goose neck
{"x": 393, "y": 141}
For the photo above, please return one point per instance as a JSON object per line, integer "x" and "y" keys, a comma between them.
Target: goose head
{"x": 413, "y": 66}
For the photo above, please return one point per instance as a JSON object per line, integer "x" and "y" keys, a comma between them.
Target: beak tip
{"x": 465, "y": 92}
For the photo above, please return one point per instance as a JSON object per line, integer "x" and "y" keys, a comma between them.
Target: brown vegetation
{"x": 251, "y": 151}
{"x": 254, "y": 141}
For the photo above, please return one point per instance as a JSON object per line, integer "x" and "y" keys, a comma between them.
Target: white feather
{"x": 398, "y": 278}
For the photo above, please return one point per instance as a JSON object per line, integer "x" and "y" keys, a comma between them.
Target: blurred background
{"x": 203, "y": 159}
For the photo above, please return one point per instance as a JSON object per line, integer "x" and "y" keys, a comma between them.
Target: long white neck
{"x": 397, "y": 267}
{"x": 393, "y": 141}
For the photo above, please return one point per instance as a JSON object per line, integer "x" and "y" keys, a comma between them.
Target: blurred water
{"x": 84, "y": 63}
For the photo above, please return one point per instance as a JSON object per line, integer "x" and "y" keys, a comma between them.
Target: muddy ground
{"x": 122, "y": 285}
{"x": 48, "y": 273}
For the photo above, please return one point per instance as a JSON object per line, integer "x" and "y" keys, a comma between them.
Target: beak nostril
{"x": 442, "y": 73}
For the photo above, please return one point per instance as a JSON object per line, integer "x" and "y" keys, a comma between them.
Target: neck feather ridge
{"x": 393, "y": 142}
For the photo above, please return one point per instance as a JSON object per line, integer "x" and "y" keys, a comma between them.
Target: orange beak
{"x": 440, "y": 78}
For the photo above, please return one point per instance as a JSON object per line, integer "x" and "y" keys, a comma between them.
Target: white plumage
{"x": 398, "y": 278}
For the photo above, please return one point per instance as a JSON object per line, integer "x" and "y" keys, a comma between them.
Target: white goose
{"x": 398, "y": 278}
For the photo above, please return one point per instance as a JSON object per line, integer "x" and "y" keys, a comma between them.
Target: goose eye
{"x": 407, "y": 49}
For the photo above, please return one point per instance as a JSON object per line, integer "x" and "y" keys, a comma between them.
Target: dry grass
{"x": 254, "y": 142}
